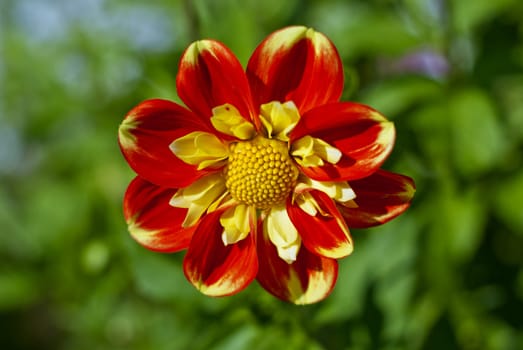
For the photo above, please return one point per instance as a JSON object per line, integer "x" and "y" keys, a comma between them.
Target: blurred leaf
{"x": 431, "y": 131}
{"x": 424, "y": 314}
{"x": 358, "y": 29}
{"x": 239, "y": 23}
{"x": 466, "y": 217}
{"x": 279, "y": 338}
{"x": 393, "y": 97}
{"x": 394, "y": 296}
{"x": 501, "y": 335}
{"x": 159, "y": 276}
{"x": 509, "y": 90}
{"x": 14, "y": 241}
{"x": 519, "y": 284}
{"x": 349, "y": 290}
{"x": 458, "y": 223}
{"x": 395, "y": 280}
{"x": 241, "y": 338}
{"x": 468, "y": 14}
{"x": 17, "y": 289}
{"x": 478, "y": 139}
{"x": 429, "y": 16}
{"x": 508, "y": 201}
{"x": 384, "y": 254}
{"x": 95, "y": 256}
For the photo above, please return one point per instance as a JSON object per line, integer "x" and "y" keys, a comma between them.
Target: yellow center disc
{"x": 260, "y": 172}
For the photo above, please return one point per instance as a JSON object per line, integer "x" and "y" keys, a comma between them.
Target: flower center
{"x": 260, "y": 172}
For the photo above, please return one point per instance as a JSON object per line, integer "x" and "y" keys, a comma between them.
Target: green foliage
{"x": 447, "y": 274}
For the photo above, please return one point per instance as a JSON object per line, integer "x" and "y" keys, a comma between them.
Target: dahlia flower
{"x": 263, "y": 171}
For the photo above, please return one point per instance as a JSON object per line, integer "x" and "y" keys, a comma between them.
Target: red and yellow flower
{"x": 263, "y": 172}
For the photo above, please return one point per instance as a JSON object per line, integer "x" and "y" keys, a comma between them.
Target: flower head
{"x": 263, "y": 172}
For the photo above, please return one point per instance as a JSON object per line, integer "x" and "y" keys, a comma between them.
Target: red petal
{"x": 152, "y": 221}
{"x": 298, "y": 64}
{"x": 380, "y": 198}
{"x": 364, "y": 137}
{"x": 325, "y": 235}
{"x": 216, "y": 269}
{"x": 145, "y": 135}
{"x": 308, "y": 280}
{"x": 209, "y": 76}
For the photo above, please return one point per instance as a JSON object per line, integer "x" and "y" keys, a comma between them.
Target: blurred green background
{"x": 448, "y": 274}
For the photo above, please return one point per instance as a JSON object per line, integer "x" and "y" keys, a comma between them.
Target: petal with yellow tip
{"x": 152, "y": 222}
{"x": 381, "y": 197}
{"x": 145, "y": 135}
{"x": 210, "y": 75}
{"x": 216, "y": 269}
{"x": 296, "y": 64}
{"x": 307, "y": 280}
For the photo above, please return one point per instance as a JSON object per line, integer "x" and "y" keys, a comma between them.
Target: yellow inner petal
{"x": 279, "y": 119}
{"x": 227, "y": 119}
{"x": 282, "y": 233}
{"x": 200, "y": 148}
{"x": 310, "y": 151}
{"x": 235, "y": 222}
{"x": 339, "y": 191}
{"x": 308, "y": 204}
{"x": 199, "y": 196}
{"x": 194, "y": 51}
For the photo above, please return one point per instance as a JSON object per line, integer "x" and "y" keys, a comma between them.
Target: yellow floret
{"x": 260, "y": 172}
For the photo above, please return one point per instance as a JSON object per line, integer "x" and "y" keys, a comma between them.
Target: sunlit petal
{"x": 145, "y": 135}
{"x": 296, "y": 64}
{"x": 209, "y": 76}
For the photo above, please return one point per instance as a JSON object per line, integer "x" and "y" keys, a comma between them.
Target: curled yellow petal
{"x": 227, "y": 119}
{"x": 339, "y": 191}
{"x": 279, "y": 119}
{"x": 199, "y": 196}
{"x": 310, "y": 151}
{"x": 235, "y": 222}
{"x": 282, "y": 233}
{"x": 200, "y": 148}
{"x": 308, "y": 204}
